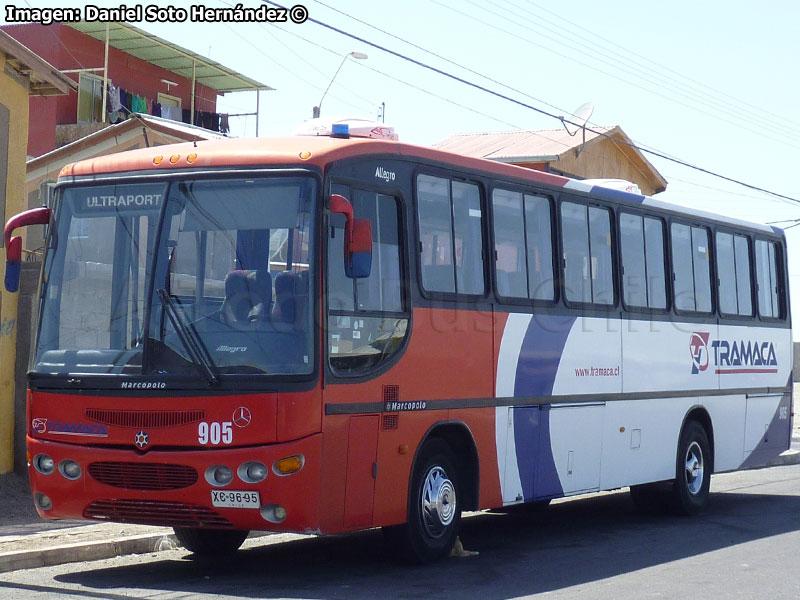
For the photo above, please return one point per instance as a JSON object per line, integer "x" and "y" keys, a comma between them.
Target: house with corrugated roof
{"x": 599, "y": 153}
{"x": 120, "y": 70}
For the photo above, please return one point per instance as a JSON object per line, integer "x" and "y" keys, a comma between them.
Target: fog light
{"x": 69, "y": 469}
{"x": 252, "y": 472}
{"x": 219, "y": 475}
{"x": 42, "y": 501}
{"x": 44, "y": 464}
{"x": 274, "y": 513}
{"x": 289, "y": 465}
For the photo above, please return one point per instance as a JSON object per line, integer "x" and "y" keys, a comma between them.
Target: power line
{"x": 531, "y": 107}
{"x": 715, "y": 115}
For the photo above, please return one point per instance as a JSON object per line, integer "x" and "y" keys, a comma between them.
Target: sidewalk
{"x": 27, "y": 541}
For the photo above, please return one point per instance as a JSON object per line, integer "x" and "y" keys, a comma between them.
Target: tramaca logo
{"x": 698, "y": 346}
{"x": 732, "y": 356}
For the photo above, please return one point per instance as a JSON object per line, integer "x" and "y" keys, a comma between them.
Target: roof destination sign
{"x": 124, "y": 201}
{"x": 116, "y": 199}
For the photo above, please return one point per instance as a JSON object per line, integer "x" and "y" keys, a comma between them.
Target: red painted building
{"x": 140, "y": 63}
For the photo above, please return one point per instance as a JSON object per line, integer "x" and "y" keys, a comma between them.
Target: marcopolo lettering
{"x": 143, "y": 385}
{"x": 399, "y": 406}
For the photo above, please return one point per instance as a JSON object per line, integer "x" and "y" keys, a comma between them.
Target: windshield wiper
{"x": 190, "y": 339}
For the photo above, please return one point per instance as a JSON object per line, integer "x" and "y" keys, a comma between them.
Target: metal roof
{"x": 43, "y": 79}
{"x": 516, "y": 146}
{"x": 169, "y": 56}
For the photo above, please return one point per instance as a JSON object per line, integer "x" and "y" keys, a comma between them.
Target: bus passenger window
{"x": 451, "y": 236}
{"x": 642, "y": 246}
{"x": 770, "y": 303}
{"x": 538, "y": 235}
{"x": 690, "y": 261}
{"x": 733, "y": 272}
{"x": 509, "y": 239}
{"x": 586, "y": 232}
{"x": 523, "y": 244}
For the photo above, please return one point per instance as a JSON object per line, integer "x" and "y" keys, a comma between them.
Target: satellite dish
{"x": 579, "y": 118}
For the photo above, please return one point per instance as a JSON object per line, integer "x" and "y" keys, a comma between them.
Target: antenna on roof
{"x": 578, "y": 121}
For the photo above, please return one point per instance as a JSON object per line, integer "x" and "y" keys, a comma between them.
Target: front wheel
{"x": 692, "y": 470}
{"x": 434, "y": 512}
{"x": 210, "y": 542}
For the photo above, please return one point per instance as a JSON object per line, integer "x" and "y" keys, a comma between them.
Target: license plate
{"x": 234, "y": 499}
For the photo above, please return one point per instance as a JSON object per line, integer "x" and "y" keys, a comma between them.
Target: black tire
{"x": 693, "y": 466}
{"x": 210, "y": 542}
{"x": 434, "y": 510}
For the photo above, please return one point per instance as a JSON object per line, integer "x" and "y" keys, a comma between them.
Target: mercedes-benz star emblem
{"x": 242, "y": 416}
{"x": 142, "y": 440}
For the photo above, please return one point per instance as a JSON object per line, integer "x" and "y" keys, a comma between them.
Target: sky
{"x": 714, "y": 84}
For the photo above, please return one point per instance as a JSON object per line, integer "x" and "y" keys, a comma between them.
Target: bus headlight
{"x": 219, "y": 475}
{"x": 69, "y": 469}
{"x": 44, "y": 464}
{"x": 252, "y": 472}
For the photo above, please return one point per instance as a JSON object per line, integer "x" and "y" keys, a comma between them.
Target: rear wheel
{"x": 210, "y": 542}
{"x": 692, "y": 470}
{"x": 434, "y": 511}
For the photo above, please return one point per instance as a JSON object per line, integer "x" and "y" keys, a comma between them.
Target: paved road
{"x": 745, "y": 546}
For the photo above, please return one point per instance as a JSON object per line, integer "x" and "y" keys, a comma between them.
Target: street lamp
{"x": 354, "y": 54}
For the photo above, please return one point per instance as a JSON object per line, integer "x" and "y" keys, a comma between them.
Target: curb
{"x": 790, "y": 457}
{"x": 85, "y": 551}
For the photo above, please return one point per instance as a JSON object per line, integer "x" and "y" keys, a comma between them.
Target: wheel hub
{"x": 438, "y": 502}
{"x": 694, "y": 468}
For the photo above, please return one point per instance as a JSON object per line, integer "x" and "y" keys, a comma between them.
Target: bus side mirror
{"x": 35, "y": 216}
{"x": 357, "y": 239}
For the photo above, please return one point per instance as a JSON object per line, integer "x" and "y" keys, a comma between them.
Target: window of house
{"x": 90, "y": 99}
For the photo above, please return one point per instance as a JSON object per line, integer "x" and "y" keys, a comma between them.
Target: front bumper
{"x": 169, "y": 487}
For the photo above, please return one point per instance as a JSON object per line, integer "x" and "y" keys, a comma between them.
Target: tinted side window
{"x": 523, "y": 244}
{"x": 744, "y": 288}
{"x": 733, "y": 271}
{"x": 726, "y": 272}
{"x": 654, "y": 257}
{"x": 588, "y": 269}
{"x": 435, "y": 231}
{"x": 451, "y": 235}
{"x": 509, "y": 241}
{"x": 538, "y": 235}
{"x": 634, "y": 273}
{"x": 691, "y": 269}
{"x": 769, "y": 299}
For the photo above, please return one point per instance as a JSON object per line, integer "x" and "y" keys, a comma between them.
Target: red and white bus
{"x": 329, "y": 333}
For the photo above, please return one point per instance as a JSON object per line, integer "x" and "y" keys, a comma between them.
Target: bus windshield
{"x": 196, "y": 277}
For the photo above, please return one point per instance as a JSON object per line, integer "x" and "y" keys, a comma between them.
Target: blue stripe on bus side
{"x": 540, "y": 354}
{"x": 539, "y": 357}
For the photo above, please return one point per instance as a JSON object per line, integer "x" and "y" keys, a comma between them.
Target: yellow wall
{"x": 14, "y": 96}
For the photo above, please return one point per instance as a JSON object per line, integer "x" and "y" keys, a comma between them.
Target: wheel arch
{"x": 458, "y": 436}
{"x": 699, "y": 414}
